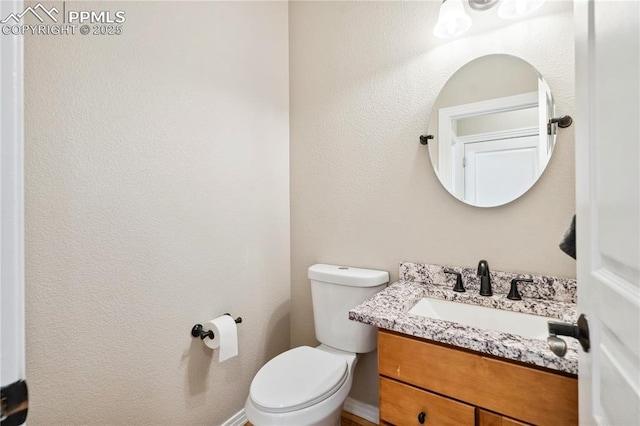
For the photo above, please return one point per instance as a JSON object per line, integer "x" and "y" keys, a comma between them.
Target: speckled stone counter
{"x": 546, "y": 296}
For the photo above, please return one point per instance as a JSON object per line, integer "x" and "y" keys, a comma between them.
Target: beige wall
{"x": 364, "y": 77}
{"x": 156, "y": 197}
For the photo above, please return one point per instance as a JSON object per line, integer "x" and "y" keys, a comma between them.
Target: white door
{"x": 496, "y": 172}
{"x": 12, "y": 362}
{"x": 608, "y": 213}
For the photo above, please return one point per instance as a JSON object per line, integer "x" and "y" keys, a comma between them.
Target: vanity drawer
{"x": 520, "y": 392}
{"x": 487, "y": 418}
{"x": 401, "y": 404}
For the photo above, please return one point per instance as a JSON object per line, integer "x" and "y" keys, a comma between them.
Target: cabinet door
{"x": 402, "y": 404}
{"x": 538, "y": 397}
{"x": 487, "y": 418}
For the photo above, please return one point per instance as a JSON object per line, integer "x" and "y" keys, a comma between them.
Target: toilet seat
{"x": 297, "y": 379}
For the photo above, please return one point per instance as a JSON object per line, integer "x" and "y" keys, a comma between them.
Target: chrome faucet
{"x": 485, "y": 278}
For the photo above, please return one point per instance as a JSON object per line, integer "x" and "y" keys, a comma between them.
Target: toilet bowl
{"x": 307, "y": 386}
{"x": 303, "y": 386}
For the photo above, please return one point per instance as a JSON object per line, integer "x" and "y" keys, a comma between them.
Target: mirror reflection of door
{"x": 546, "y": 110}
{"x": 498, "y": 171}
{"x": 500, "y": 153}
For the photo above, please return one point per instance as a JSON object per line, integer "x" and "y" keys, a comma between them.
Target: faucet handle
{"x": 513, "y": 293}
{"x": 459, "y": 287}
{"x": 483, "y": 268}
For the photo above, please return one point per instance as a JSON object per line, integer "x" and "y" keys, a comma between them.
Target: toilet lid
{"x": 297, "y": 379}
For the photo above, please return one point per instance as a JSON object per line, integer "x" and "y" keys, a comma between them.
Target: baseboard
{"x": 360, "y": 409}
{"x": 355, "y": 407}
{"x": 238, "y": 419}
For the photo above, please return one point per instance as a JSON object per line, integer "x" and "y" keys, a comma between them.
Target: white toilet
{"x": 307, "y": 386}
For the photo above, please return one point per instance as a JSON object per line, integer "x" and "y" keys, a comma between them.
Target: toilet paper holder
{"x": 197, "y": 330}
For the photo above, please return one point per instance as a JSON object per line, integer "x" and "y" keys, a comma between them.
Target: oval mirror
{"x": 491, "y": 141}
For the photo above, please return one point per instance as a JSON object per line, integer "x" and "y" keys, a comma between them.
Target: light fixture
{"x": 482, "y": 4}
{"x": 452, "y": 21}
{"x": 512, "y": 9}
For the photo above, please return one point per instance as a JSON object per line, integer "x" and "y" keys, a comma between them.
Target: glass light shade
{"x": 452, "y": 21}
{"x": 513, "y": 9}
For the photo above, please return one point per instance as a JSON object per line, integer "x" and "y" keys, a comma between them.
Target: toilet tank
{"x": 334, "y": 291}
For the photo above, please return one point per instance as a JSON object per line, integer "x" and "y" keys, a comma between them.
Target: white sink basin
{"x": 525, "y": 325}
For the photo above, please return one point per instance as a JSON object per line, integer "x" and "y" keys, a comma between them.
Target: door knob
{"x": 578, "y": 331}
{"x": 421, "y": 417}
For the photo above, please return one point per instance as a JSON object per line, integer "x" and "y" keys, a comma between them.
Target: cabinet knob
{"x": 421, "y": 417}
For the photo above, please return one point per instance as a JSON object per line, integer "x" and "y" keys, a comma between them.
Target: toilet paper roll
{"x": 225, "y": 330}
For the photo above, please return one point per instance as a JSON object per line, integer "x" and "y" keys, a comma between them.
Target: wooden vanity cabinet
{"x": 453, "y": 386}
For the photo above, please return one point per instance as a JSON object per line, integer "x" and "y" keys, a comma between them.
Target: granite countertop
{"x": 548, "y": 296}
